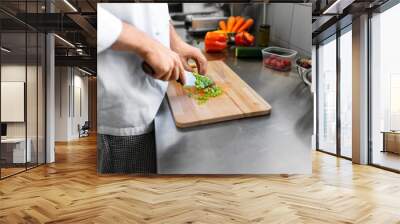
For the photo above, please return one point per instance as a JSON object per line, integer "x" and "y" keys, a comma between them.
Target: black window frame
{"x": 30, "y": 29}
{"x": 333, "y": 37}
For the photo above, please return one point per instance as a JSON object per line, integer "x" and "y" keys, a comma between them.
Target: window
{"x": 327, "y": 96}
{"x": 385, "y": 89}
{"x": 346, "y": 92}
{"x": 332, "y": 77}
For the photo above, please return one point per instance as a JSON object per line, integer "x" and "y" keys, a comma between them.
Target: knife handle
{"x": 150, "y": 71}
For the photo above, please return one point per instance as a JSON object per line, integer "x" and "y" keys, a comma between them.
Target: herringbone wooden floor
{"x": 70, "y": 191}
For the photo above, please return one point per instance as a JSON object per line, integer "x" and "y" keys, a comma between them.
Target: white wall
{"x": 291, "y": 26}
{"x": 15, "y": 72}
{"x": 79, "y": 117}
{"x": 34, "y": 126}
{"x": 12, "y": 101}
{"x": 70, "y": 83}
{"x": 10, "y": 73}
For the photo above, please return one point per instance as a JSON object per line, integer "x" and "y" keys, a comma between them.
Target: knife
{"x": 189, "y": 77}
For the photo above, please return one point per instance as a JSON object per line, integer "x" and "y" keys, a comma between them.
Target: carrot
{"x": 234, "y": 22}
{"x": 231, "y": 21}
{"x": 238, "y": 23}
{"x": 222, "y": 25}
{"x": 246, "y": 25}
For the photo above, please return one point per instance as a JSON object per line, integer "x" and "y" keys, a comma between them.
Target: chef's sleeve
{"x": 109, "y": 28}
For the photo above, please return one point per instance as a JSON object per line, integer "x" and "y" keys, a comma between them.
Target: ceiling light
{"x": 5, "y": 50}
{"x": 337, "y": 7}
{"x": 84, "y": 71}
{"x": 65, "y": 41}
{"x": 70, "y": 5}
{"x": 80, "y": 51}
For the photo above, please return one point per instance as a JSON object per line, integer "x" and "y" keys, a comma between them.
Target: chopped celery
{"x": 205, "y": 88}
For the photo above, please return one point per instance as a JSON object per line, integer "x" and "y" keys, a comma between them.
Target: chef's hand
{"x": 186, "y": 52}
{"x": 166, "y": 63}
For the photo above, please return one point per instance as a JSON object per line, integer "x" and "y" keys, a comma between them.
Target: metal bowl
{"x": 304, "y": 73}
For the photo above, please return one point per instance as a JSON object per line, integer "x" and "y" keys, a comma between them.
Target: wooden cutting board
{"x": 239, "y": 100}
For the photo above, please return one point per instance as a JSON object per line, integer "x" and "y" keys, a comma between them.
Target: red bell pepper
{"x": 215, "y": 42}
{"x": 217, "y": 36}
{"x": 214, "y": 46}
{"x": 249, "y": 38}
{"x": 239, "y": 39}
{"x": 244, "y": 39}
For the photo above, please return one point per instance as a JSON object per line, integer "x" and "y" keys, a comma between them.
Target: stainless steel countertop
{"x": 276, "y": 143}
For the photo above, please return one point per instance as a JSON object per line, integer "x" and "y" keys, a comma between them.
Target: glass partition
{"x": 14, "y": 145}
{"x": 41, "y": 96}
{"x": 33, "y": 71}
{"x": 32, "y": 95}
{"x": 22, "y": 91}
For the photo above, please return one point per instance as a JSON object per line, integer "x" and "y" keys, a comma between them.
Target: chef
{"x": 128, "y": 99}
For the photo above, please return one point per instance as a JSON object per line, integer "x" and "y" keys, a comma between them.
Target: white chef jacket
{"x": 128, "y": 99}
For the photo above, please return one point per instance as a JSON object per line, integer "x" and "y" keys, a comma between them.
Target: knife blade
{"x": 189, "y": 77}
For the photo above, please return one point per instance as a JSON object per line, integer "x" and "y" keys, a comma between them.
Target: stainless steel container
{"x": 202, "y": 24}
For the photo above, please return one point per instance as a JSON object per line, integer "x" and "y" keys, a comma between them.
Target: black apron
{"x": 126, "y": 154}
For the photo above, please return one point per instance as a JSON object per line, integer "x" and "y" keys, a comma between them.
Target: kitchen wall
{"x": 200, "y": 7}
{"x": 71, "y": 102}
{"x": 291, "y": 26}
